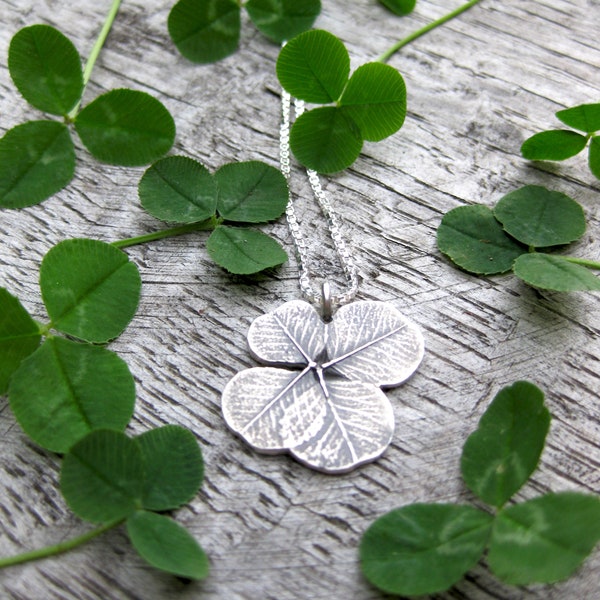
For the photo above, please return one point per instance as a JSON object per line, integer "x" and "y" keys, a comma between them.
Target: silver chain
{"x": 333, "y": 221}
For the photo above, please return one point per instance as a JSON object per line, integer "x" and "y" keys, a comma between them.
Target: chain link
{"x": 333, "y": 221}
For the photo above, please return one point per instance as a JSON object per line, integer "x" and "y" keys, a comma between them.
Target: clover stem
{"x": 59, "y": 548}
{"x": 426, "y": 29}
{"x": 590, "y": 264}
{"x": 170, "y": 232}
{"x": 91, "y": 61}
{"x": 44, "y": 328}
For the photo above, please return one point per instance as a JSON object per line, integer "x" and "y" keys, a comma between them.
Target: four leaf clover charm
{"x": 326, "y": 407}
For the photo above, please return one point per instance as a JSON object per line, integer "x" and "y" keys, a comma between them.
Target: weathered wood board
{"x": 275, "y": 530}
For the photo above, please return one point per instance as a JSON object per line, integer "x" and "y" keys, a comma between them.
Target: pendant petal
{"x": 358, "y": 427}
{"x": 274, "y": 409}
{"x": 292, "y": 334}
{"x": 373, "y": 342}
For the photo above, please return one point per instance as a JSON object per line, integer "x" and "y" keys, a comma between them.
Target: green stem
{"x": 165, "y": 233}
{"x": 417, "y": 34}
{"x": 57, "y": 548}
{"x": 590, "y": 264}
{"x": 44, "y": 328}
{"x": 91, "y": 61}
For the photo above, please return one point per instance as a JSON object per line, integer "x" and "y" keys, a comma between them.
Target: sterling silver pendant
{"x": 321, "y": 400}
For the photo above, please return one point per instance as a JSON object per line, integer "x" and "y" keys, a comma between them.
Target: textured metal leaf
{"x": 358, "y": 427}
{"x": 292, "y": 334}
{"x": 274, "y": 409}
{"x": 329, "y": 412}
{"x": 374, "y": 342}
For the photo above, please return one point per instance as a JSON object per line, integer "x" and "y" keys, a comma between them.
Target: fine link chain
{"x": 333, "y": 221}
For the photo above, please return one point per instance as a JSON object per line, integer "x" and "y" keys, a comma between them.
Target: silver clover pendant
{"x": 321, "y": 400}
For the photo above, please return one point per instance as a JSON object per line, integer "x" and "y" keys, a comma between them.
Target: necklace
{"x": 320, "y": 396}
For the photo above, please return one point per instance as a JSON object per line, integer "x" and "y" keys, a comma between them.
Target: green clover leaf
{"x": 244, "y": 251}
{"x": 102, "y": 476}
{"x": 19, "y": 336}
{"x": 473, "y": 239}
{"x": 281, "y": 20}
{"x": 66, "y": 389}
{"x": 178, "y": 189}
{"x": 539, "y": 217}
{"x": 37, "y": 159}
{"x": 423, "y": 548}
{"x": 544, "y": 540}
{"x": 173, "y": 467}
{"x": 251, "y": 192}
{"x": 205, "y": 31}
{"x": 400, "y": 7}
{"x": 166, "y": 545}
{"x": 91, "y": 289}
{"x": 46, "y": 68}
{"x": 500, "y": 456}
{"x": 126, "y": 127}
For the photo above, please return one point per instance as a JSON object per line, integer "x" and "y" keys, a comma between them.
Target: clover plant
{"x": 517, "y": 235}
{"x": 427, "y": 548}
{"x": 37, "y": 158}
{"x": 74, "y": 396}
{"x": 180, "y": 189}
{"x": 369, "y": 105}
{"x": 560, "y": 144}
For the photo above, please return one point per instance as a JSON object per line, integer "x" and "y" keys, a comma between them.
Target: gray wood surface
{"x": 275, "y": 530}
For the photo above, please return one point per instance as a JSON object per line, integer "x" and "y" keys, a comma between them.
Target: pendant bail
{"x": 326, "y": 304}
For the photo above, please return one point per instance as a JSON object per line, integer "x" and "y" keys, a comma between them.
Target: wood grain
{"x": 273, "y": 529}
